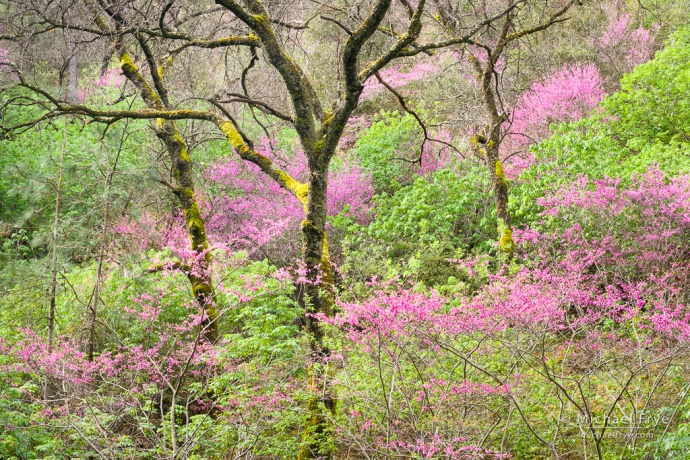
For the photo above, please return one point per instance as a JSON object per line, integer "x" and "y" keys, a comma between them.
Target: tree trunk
{"x": 72, "y": 75}
{"x": 321, "y": 406}
{"x": 199, "y": 275}
{"x": 500, "y": 186}
{"x": 315, "y": 250}
{"x": 48, "y": 388}
{"x": 489, "y": 150}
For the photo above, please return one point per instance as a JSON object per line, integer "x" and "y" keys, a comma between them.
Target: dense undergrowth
{"x": 579, "y": 347}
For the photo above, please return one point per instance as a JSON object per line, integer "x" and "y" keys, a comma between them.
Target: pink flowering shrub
{"x": 146, "y": 231}
{"x": 639, "y": 228}
{"x": 622, "y": 48}
{"x": 603, "y": 292}
{"x": 123, "y": 390}
{"x": 568, "y": 95}
{"x": 452, "y": 364}
{"x": 630, "y": 240}
{"x": 400, "y": 393}
{"x": 243, "y": 208}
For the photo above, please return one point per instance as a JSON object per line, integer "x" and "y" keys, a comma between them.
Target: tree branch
{"x": 258, "y": 104}
{"x": 421, "y": 124}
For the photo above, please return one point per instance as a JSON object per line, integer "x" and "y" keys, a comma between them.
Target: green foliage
{"x": 265, "y": 326}
{"x": 31, "y": 170}
{"x": 652, "y": 106}
{"x": 381, "y": 147}
{"x": 646, "y": 123}
{"x": 417, "y": 229}
{"x": 449, "y": 206}
{"x": 675, "y": 445}
{"x": 20, "y": 437}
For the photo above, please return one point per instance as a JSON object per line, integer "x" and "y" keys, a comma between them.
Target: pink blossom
{"x": 567, "y": 95}
{"x": 623, "y": 47}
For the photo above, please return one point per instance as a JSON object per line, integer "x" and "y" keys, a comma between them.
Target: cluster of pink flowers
{"x": 568, "y": 95}
{"x": 625, "y": 47}
{"x": 171, "y": 351}
{"x": 5, "y": 69}
{"x": 437, "y": 447}
{"x": 242, "y": 207}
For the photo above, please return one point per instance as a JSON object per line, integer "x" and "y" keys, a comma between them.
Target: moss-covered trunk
{"x": 489, "y": 151}
{"x": 500, "y": 188}
{"x": 321, "y": 406}
{"x": 488, "y": 147}
{"x": 199, "y": 275}
{"x": 181, "y": 167}
{"x": 314, "y": 249}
